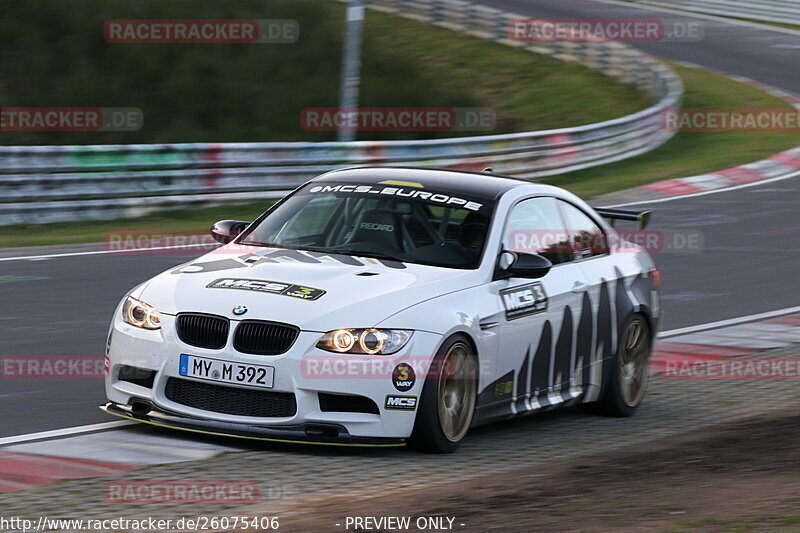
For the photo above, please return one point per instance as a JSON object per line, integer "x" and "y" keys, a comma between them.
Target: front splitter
{"x": 289, "y": 434}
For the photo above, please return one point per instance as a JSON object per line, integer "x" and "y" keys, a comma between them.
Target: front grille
{"x": 230, "y": 400}
{"x": 204, "y": 331}
{"x": 264, "y": 338}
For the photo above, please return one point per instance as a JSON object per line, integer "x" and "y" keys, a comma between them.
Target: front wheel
{"x": 630, "y": 368}
{"x": 447, "y": 403}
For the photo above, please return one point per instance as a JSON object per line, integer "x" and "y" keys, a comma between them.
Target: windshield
{"x": 410, "y": 224}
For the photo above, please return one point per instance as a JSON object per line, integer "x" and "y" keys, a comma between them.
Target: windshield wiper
{"x": 269, "y": 245}
{"x": 360, "y": 253}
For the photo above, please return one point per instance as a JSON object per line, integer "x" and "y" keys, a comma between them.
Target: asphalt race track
{"x": 748, "y": 262}
{"x": 754, "y": 51}
{"x": 68, "y": 313}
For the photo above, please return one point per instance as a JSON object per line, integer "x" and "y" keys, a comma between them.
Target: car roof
{"x": 450, "y": 181}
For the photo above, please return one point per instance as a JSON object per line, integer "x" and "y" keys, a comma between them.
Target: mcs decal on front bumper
{"x": 400, "y": 403}
{"x": 271, "y": 287}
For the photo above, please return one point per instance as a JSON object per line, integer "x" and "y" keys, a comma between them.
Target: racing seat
{"x": 379, "y": 227}
{"x": 473, "y": 231}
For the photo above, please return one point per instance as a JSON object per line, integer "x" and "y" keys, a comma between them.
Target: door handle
{"x": 580, "y": 286}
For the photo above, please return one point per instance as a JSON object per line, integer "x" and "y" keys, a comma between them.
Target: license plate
{"x": 226, "y": 371}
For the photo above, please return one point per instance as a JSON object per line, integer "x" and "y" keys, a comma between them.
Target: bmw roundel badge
{"x": 239, "y": 310}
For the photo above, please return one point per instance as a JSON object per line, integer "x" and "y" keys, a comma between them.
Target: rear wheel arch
{"x": 609, "y": 402}
{"x": 647, "y": 313}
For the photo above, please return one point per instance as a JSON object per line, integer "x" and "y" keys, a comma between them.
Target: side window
{"x": 535, "y": 226}
{"x": 585, "y": 236}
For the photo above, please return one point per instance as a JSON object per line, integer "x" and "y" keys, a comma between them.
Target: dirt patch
{"x": 743, "y": 476}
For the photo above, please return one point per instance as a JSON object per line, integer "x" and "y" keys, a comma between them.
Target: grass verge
{"x": 189, "y": 221}
{"x": 448, "y": 56}
{"x": 54, "y": 54}
{"x": 691, "y": 153}
{"x": 685, "y": 155}
{"x": 783, "y": 25}
{"x": 690, "y": 12}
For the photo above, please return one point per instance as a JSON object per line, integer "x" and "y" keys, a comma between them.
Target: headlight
{"x": 369, "y": 341}
{"x": 140, "y": 314}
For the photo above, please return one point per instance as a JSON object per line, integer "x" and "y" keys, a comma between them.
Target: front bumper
{"x": 329, "y": 434}
{"x": 304, "y": 371}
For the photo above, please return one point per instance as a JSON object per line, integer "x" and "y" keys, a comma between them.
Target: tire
{"x": 626, "y": 382}
{"x": 447, "y": 402}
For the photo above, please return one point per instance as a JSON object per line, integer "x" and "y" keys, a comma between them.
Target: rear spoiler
{"x": 642, "y": 218}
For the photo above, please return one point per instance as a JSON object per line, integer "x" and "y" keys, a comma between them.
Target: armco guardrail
{"x": 41, "y": 184}
{"x": 785, "y": 11}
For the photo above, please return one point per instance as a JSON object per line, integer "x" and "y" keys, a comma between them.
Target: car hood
{"x": 313, "y": 291}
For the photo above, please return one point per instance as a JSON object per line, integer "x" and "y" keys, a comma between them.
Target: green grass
{"x": 769, "y": 23}
{"x": 53, "y": 53}
{"x": 691, "y": 153}
{"x": 527, "y": 93}
{"x": 685, "y": 155}
{"x": 190, "y": 221}
{"x": 764, "y": 22}
{"x": 743, "y": 19}
{"x": 406, "y": 63}
{"x": 731, "y": 525}
{"x": 790, "y": 520}
{"x": 738, "y": 524}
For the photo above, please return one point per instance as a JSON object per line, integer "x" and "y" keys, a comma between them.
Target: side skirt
{"x": 546, "y": 401}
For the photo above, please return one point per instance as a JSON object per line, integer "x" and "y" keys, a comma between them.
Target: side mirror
{"x": 521, "y": 265}
{"x": 225, "y": 231}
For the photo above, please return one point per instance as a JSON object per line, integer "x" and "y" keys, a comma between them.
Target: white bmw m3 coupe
{"x": 387, "y": 306}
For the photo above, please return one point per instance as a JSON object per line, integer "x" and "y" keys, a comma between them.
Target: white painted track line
{"x": 701, "y": 15}
{"x": 119, "y": 446}
{"x": 705, "y": 193}
{"x": 729, "y": 322}
{"x": 190, "y": 246}
{"x": 663, "y": 335}
{"x": 101, "y": 252}
{"x": 64, "y": 432}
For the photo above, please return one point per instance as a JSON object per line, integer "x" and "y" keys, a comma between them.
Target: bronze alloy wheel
{"x": 633, "y": 362}
{"x": 456, "y": 391}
